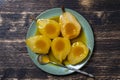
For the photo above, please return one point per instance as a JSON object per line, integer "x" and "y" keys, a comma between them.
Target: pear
{"x": 52, "y": 58}
{"x": 60, "y": 48}
{"x": 39, "y": 44}
{"x": 78, "y": 53}
{"x": 70, "y": 27}
{"x": 49, "y": 28}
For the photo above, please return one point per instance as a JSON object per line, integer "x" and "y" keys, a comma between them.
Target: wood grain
{"x": 103, "y": 15}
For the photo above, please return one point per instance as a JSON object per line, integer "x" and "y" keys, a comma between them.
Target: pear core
{"x": 50, "y": 29}
{"x": 70, "y": 29}
{"x": 78, "y": 51}
{"x": 60, "y": 45}
{"x": 40, "y": 44}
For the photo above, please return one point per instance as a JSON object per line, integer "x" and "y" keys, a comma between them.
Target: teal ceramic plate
{"x": 56, "y": 70}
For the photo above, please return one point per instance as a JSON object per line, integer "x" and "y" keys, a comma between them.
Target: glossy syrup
{"x": 81, "y": 37}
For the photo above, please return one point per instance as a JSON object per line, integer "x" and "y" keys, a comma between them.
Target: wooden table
{"x": 103, "y": 15}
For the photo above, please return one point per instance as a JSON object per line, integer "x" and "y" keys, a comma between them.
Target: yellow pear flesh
{"x": 52, "y": 58}
{"x": 70, "y": 27}
{"x": 60, "y": 48}
{"x": 39, "y": 44}
{"x": 78, "y": 53}
{"x": 48, "y": 27}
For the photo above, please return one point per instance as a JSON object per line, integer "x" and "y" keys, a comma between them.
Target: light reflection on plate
{"x": 56, "y": 70}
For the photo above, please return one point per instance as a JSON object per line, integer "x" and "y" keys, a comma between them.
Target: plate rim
{"x": 70, "y": 10}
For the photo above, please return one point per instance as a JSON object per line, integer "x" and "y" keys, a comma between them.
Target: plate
{"x": 57, "y": 70}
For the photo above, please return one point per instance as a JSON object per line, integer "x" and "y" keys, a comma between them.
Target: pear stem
{"x": 33, "y": 18}
{"x": 63, "y": 9}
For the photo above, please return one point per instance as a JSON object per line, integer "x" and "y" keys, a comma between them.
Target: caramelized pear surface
{"x": 78, "y": 53}
{"x": 60, "y": 48}
{"x": 49, "y": 28}
{"x": 54, "y": 37}
{"x": 39, "y": 44}
{"x": 70, "y": 27}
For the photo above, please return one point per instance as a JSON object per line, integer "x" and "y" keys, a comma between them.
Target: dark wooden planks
{"x": 35, "y": 5}
{"x": 24, "y": 73}
{"x": 103, "y": 15}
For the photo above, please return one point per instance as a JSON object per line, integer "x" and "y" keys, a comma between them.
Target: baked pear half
{"x": 49, "y": 28}
{"x": 78, "y": 53}
{"x": 60, "y": 48}
{"x": 39, "y": 44}
{"x": 70, "y": 27}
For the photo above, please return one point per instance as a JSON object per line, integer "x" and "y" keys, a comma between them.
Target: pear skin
{"x": 60, "y": 48}
{"x": 39, "y": 44}
{"x": 70, "y": 27}
{"x": 49, "y": 28}
{"x": 78, "y": 53}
